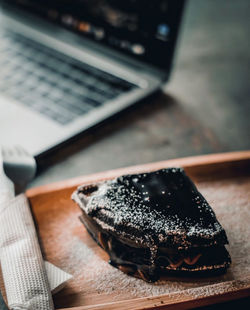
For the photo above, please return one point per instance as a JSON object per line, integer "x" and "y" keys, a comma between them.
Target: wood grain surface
{"x": 59, "y": 228}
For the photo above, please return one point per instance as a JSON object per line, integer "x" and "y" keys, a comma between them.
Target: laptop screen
{"x": 143, "y": 29}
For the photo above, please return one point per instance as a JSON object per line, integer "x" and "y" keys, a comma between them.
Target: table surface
{"x": 204, "y": 108}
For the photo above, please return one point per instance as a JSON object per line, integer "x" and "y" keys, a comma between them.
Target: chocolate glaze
{"x": 154, "y": 222}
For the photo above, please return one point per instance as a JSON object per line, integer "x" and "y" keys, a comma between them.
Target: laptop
{"x": 66, "y": 66}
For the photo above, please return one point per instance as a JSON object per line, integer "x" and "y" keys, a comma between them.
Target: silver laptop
{"x": 66, "y": 66}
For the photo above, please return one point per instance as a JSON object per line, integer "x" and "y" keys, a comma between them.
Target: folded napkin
{"x": 57, "y": 277}
{"x": 26, "y": 276}
{"x": 23, "y": 268}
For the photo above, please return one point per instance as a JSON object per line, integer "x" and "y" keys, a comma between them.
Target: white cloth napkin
{"x": 57, "y": 277}
{"x": 28, "y": 280}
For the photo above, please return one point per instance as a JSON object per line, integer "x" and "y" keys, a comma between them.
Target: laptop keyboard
{"x": 51, "y": 83}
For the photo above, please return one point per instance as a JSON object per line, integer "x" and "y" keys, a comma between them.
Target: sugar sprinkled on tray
{"x": 89, "y": 269}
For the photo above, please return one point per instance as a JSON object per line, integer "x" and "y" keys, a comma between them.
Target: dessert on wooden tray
{"x": 153, "y": 224}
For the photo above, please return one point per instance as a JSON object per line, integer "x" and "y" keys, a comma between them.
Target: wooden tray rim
{"x": 185, "y": 162}
{"x": 173, "y": 301}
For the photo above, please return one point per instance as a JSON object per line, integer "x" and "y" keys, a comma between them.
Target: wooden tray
{"x": 224, "y": 179}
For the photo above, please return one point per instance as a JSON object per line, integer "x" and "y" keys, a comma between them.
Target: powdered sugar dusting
{"x": 149, "y": 208}
{"x": 90, "y": 270}
{"x": 230, "y": 200}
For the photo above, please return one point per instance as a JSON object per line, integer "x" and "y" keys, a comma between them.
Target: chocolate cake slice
{"x": 153, "y": 224}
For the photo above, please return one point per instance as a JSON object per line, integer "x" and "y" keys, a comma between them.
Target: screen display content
{"x": 144, "y": 29}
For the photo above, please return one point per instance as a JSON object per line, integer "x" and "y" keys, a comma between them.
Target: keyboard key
{"x": 51, "y": 83}
{"x": 44, "y": 88}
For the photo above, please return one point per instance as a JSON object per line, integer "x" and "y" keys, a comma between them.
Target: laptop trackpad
{"x": 22, "y": 126}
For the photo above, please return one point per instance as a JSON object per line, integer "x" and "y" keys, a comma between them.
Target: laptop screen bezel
{"x": 29, "y": 19}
